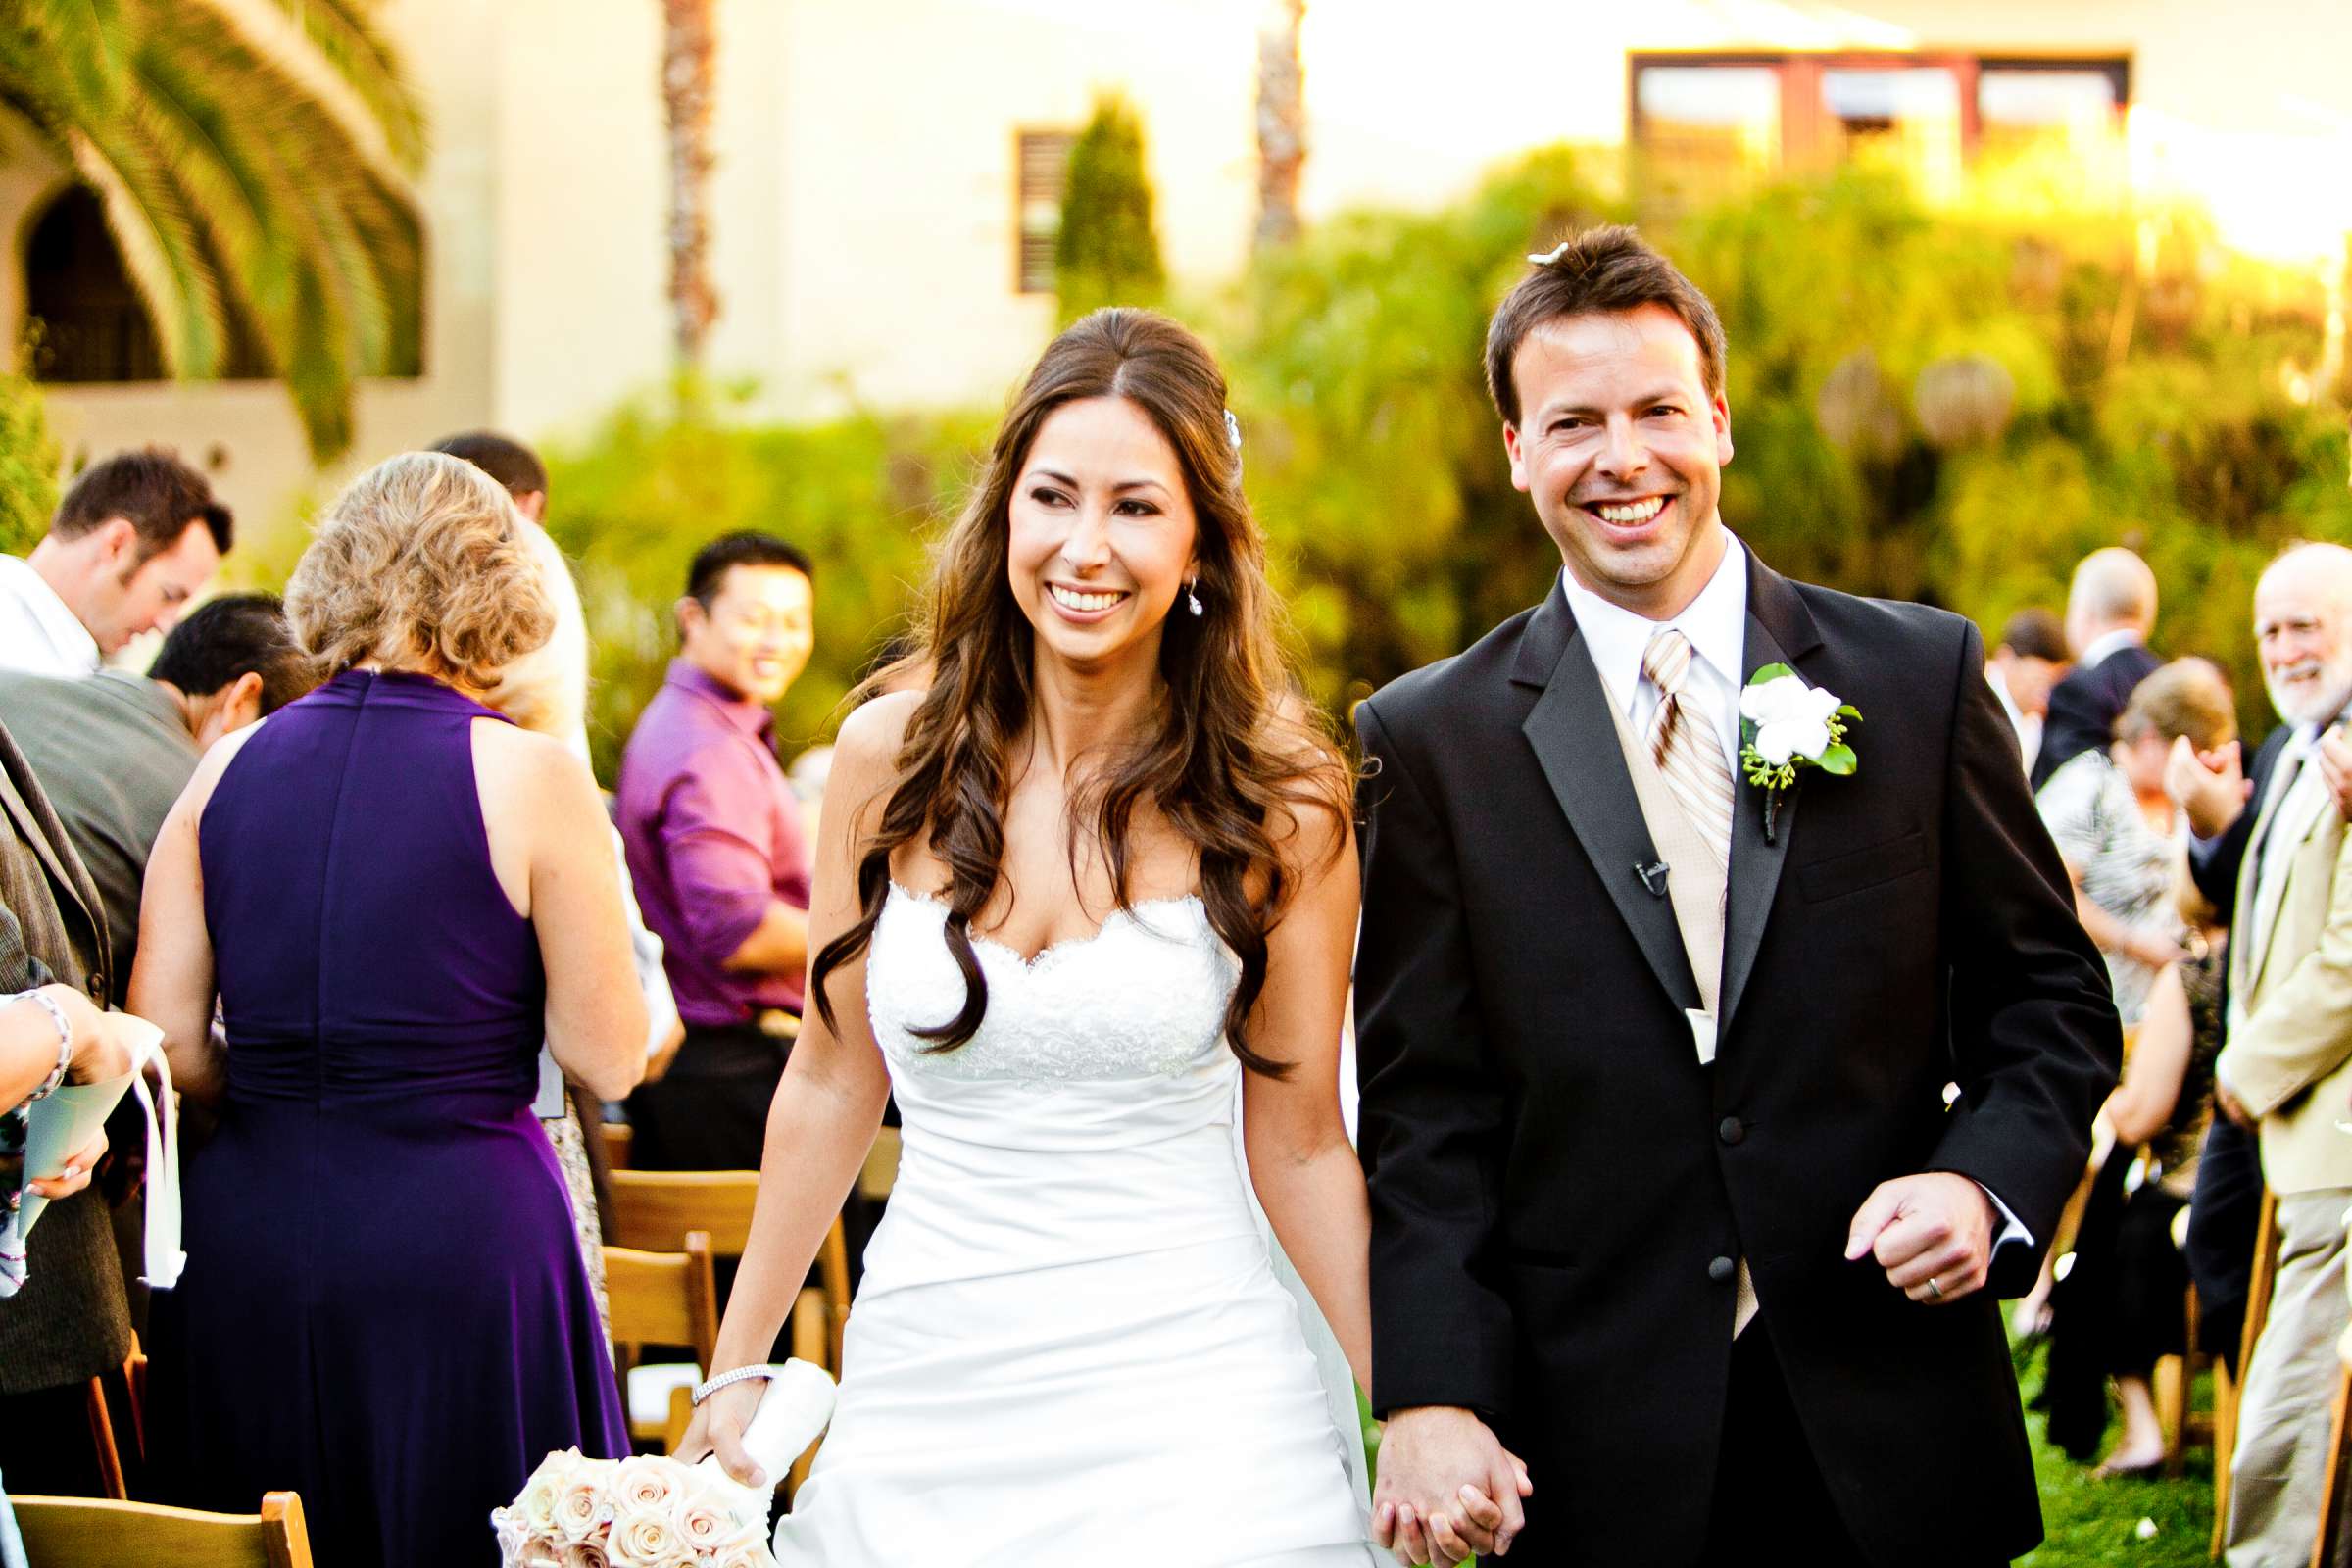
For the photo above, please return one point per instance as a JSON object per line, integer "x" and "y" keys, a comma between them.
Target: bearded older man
{"x": 2288, "y": 1062}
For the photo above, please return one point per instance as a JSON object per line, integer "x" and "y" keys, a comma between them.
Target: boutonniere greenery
{"x": 1785, "y": 725}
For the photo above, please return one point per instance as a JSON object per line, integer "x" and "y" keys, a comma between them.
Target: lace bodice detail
{"x": 1144, "y": 997}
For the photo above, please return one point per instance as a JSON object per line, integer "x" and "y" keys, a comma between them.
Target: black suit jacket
{"x": 2084, "y": 706}
{"x": 1557, "y": 1184}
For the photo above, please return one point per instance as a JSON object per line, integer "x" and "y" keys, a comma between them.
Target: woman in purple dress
{"x": 395, "y": 894}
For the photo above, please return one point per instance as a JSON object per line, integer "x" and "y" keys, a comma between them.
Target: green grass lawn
{"x": 2093, "y": 1522}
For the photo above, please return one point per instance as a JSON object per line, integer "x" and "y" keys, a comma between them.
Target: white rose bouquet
{"x": 650, "y": 1511}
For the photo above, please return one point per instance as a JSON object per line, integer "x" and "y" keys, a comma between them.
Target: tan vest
{"x": 1695, "y": 885}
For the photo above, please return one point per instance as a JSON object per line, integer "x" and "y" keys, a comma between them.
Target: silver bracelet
{"x": 65, "y": 1041}
{"x": 742, "y": 1374}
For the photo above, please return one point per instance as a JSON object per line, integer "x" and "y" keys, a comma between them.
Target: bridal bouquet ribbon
{"x": 62, "y": 1125}
{"x": 651, "y": 1511}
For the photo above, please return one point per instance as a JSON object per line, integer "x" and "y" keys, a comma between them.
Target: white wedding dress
{"x": 1071, "y": 1347}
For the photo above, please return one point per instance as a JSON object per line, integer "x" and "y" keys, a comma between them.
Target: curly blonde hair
{"x": 421, "y": 563}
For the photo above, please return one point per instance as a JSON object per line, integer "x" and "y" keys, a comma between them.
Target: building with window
{"x": 888, "y": 183}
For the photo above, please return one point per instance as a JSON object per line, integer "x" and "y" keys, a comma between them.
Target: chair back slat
{"x": 101, "y": 1533}
{"x": 665, "y": 1297}
{"x": 653, "y": 1209}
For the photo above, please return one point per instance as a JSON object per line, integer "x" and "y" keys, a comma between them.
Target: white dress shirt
{"x": 37, "y": 632}
{"x": 2027, "y": 725}
{"x": 1716, "y": 623}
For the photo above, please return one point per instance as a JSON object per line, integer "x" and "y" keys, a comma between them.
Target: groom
{"x": 1667, "y": 1198}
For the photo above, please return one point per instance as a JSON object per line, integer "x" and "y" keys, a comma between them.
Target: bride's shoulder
{"x": 871, "y": 735}
{"x": 1309, "y": 818}
{"x": 865, "y": 753}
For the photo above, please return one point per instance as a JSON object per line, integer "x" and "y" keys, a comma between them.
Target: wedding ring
{"x": 1935, "y": 1289}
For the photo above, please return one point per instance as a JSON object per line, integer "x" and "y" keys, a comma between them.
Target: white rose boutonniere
{"x": 1785, "y": 725}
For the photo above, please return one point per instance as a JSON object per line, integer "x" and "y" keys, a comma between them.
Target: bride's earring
{"x": 1192, "y": 596}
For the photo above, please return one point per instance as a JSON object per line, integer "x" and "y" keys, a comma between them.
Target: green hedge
{"x": 27, "y": 467}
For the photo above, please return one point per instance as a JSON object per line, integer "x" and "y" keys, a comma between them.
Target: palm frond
{"x": 346, "y": 36}
{"x": 232, "y": 188}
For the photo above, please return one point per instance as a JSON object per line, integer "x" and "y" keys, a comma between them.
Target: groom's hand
{"x": 1932, "y": 1233}
{"x": 1446, "y": 1489}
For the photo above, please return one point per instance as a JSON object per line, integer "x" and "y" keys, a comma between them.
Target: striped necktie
{"x": 1684, "y": 745}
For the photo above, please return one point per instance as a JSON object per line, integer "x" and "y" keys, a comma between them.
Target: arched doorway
{"x": 85, "y": 317}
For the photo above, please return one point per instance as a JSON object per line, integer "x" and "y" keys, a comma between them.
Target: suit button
{"x": 97, "y": 989}
{"x": 1731, "y": 1130}
{"x": 1721, "y": 1270}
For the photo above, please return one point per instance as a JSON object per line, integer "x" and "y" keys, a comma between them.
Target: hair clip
{"x": 1233, "y": 431}
{"x": 1552, "y": 255}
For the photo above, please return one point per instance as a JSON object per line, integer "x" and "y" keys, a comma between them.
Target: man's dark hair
{"x": 502, "y": 457}
{"x": 1600, "y": 272}
{"x": 2035, "y": 633}
{"x": 153, "y": 491}
{"x": 747, "y": 548}
{"x": 233, "y": 635}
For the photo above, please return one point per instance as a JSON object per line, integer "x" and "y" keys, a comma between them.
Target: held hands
{"x": 2210, "y": 786}
{"x": 1447, "y": 1489}
{"x": 1932, "y": 1233}
{"x": 718, "y": 1428}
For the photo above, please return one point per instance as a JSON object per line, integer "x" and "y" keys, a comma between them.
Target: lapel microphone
{"x": 1654, "y": 877}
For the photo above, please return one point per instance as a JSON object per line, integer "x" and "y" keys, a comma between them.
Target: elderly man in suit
{"x": 2110, "y": 609}
{"x": 69, "y": 1322}
{"x": 2288, "y": 1062}
{"x": 1654, "y": 1026}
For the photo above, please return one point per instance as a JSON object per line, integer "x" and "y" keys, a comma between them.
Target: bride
{"x": 1100, "y": 865}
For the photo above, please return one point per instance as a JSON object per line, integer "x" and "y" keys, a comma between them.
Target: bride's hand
{"x": 718, "y": 1428}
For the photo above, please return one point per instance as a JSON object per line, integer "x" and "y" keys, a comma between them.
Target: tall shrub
{"x": 1108, "y": 252}
{"x": 27, "y": 467}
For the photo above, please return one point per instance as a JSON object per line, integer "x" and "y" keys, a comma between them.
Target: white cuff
{"x": 2012, "y": 1228}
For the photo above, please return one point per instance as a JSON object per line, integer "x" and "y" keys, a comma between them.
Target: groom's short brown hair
{"x": 1598, "y": 272}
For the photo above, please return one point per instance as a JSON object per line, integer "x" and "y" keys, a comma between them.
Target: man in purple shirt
{"x": 716, "y": 847}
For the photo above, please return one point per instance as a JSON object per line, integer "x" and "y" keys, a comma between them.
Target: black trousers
{"x": 709, "y": 1110}
{"x": 46, "y": 1447}
{"x": 1769, "y": 1502}
{"x": 2224, "y": 1214}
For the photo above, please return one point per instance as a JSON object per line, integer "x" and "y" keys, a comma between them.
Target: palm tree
{"x": 689, "y": 72}
{"x": 251, "y": 206}
{"x": 1281, "y": 121}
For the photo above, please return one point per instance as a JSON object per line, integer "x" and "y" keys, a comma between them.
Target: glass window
{"x": 1044, "y": 157}
{"x": 1706, "y": 129}
{"x": 1906, "y": 117}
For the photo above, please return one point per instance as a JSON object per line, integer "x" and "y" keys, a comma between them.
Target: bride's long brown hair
{"x": 1234, "y": 757}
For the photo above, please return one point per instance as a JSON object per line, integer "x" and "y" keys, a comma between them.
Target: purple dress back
{"x": 384, "y": 1306}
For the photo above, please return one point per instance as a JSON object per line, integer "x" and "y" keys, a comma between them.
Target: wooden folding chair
{"x": 2333, "y": 1488}
{"x": 653, "y": 1209}
{"x": 2258, "y": 1311}
{"x": 663, "y": 1299}
{"x": 618, "y": 1138}
{"x": 101, "y": 1533}
{"x": 2174, "y": 1381}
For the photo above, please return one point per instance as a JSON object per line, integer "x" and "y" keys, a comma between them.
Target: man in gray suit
{"x": 114, "y": 750}
{"x": 70, "y": 1324}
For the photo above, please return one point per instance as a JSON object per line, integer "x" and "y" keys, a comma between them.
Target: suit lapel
{"x": 1575, "y": 741}
{"x": 1779, "y": 631}
{"x": 2296, "y": 813}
